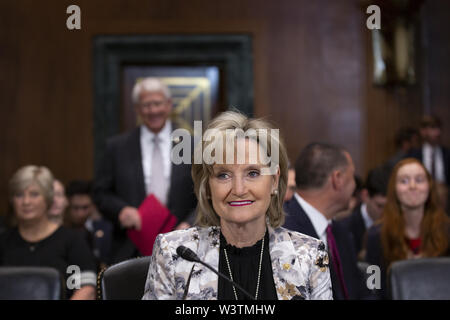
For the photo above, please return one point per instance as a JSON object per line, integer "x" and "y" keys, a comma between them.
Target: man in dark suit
{"x": 138, "y": 163}
{"x": 325, "y": 184}
{"x": 373, "y": 196}
{"x": 435, "y": 157}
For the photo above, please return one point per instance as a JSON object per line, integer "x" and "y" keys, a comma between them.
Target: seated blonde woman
{"x": 38, "y": 241}
{"x": 239, "y": 217}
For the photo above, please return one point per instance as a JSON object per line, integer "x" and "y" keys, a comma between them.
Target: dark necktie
{"x": 336, "y": 260}
{"x": 433, "y": 162}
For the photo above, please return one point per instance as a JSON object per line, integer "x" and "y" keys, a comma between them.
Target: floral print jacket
{"x": 299, "y": 264}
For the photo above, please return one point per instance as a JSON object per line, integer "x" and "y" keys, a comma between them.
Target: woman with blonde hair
{"x": 413, "y": 224}
{"x": 240, "y": 184}
{"x": 38, "y": 241}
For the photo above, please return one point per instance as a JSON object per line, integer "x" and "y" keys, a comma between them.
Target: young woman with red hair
{"x": 413, "y": 224}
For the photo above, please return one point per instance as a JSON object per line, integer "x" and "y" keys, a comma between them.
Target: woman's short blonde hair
{"x": 28, "y": 175}
{"x": 226, "y": 123}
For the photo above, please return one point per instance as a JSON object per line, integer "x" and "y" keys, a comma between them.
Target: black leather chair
{"x": 30, "y": 283}
{"x": 124, "y": 280}
{"x": 424, "y": 279}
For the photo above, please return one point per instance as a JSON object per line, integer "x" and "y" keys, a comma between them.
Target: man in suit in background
{"x": 373, "y": 196}
{"x": 406, "y": 139}
{"x": 325, "y": 183}
{"x": 138, "y": 163}
{"x": 434, "y": 156}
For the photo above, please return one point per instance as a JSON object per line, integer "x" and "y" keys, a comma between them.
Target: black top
{"x": 244, "y": 264}
{"x": 62, "y": 248}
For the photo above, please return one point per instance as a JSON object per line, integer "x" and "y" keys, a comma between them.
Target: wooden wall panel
{"x": 436, "y": 36}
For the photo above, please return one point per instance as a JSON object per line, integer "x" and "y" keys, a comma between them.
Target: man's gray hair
{"x": 315, "y": 164}
{"x": 150, "y": 85}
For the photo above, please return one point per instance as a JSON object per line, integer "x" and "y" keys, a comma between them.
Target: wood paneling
{"x": 311, "y": 74}
{"x": 436, "y": 20}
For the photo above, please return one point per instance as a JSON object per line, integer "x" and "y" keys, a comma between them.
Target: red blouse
{"x": 414, "y": 245}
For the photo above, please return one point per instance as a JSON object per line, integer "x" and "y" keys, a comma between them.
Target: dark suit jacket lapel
{"x": 360, "y": 228}
{"x": 180, "y": 188}
{"x": 136, "y": 161}
{"x": 359, "y": 220}
{"x": 352, "y": 276}
{"x": 175, "y": 172}
{"x": 446, "y": 159}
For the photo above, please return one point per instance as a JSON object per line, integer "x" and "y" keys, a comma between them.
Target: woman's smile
{"x": 240, "y": 203}
{"x": 240, "y": 193}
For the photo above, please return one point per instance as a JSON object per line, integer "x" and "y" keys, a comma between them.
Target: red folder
{"x": 155, "y": 219}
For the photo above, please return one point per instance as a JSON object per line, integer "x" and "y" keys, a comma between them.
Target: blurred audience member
{"x": 37, "y": 241}
{"x": 413, "y": 224}
{"x": 406, "y": 139}
{"x": 325, "y": 181}
{"x": 60, "y": 203}
{"x": 373, "y": 197}
{"x": 443, "y": 196}
{"x": 83, "y": 215}
{"x": 290, "y": 184}
{"x": 137, "y": 164}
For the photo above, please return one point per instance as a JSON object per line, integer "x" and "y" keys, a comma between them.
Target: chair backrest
{"x": 124, "y": 281}
{"x": 30, "y": 283}
{"x": 427, "y": 279}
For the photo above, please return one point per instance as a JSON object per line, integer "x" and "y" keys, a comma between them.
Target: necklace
{"x": 259, "y": 270}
